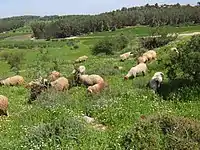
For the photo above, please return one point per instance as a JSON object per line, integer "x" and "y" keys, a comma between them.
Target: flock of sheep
{"x": 94, "y": 83}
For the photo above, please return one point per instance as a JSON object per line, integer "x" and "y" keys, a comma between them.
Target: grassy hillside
{"x": 54, "y": 120}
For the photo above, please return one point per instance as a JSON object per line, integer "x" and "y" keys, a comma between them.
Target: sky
{"x": 10, "y": 8}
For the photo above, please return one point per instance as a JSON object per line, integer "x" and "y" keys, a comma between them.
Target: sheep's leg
{"x": 143, "y": 72}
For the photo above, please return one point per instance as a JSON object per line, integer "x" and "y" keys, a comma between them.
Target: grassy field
{"x": 54, "y": 120}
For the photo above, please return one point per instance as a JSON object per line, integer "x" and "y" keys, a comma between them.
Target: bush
{"x": 159, "y": 37}
{"x": 155, "y": 42}
{"x": 61, "y": 133}
{"x": 110, "y": 45}
{"x": 163, "y": 132}
{"x": 15, "y": 59}
{"x": 104, "y": 46}
{"x": 187, "y": 60}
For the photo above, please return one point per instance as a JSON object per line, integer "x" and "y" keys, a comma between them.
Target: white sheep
{"x": 81, "y": 59}
{"x": 89, "y": 80}
{"x": 3, "y": 105}
{"x": 125, "y": 56}
{"x": 156, "y": 81}
{"x": 142, "y": 59}
{"x": 140, "y": 68}
{"x": 80, "y": 69}
{"x": 11, "y": 81}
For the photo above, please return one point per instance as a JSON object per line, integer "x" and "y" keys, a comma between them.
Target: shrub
{"x": 14, "y": 59}
{"x": 163, "y": 132}
{"x": 60, "y": 133}
{"x": 159, "y": 37}
{"x": 155, "y": 42}
{"x": 121, "y": 41}
{"x": 104, "y": 46}
{"x": 110, "y": 45}
{"x": 187, "y": 60}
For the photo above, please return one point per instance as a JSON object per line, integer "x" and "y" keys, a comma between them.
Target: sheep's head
{"x": 125, "y": 78}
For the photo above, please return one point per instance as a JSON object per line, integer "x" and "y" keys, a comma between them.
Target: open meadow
{"x": 54, "y": 120}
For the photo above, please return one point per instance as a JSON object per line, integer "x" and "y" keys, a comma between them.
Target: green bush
{"x": 159, "y": 37}
{"x": 110, "y": 45}
{"x": 155, "y": 42}
{"x": 14, "y": 59}
{"x": 163, "y": 132}
{"x": 104, "y": 46}
{"x": 187, "y": 60}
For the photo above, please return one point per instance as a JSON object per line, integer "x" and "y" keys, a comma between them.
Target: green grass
{"x": 54, "y": 122}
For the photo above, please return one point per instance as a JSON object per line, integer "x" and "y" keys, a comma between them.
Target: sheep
{"x": 3, "y": 105}
{"x": 54, "y": 75}
{"x": 60, "y": 84}
{"x": 151, "y": 54}
{"x": 89, "y": 80}
{"x": 81, "y": 59}
{"x": 97, "y": 88}
{"x": 125, "y": 56}
{"x": 142, "y": 59}
{"x": 80, "y": 69}
{"x": 140, "y": 68}
{"x": 11, "y": 81}
{"x": 148, "y": 55}
{"x": 156, "y": 81}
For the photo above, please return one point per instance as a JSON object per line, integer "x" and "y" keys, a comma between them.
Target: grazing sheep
{"x": 140, "y": 68}
{"x": 54, "y": 75}
{"x": 11, "y": 81}
{"x": 81, "y": 59}
{"x": 60, "y": 84}
{"x": 89, "y": 80}
{"x": 142, "y": 59}
{"x": 148, "y": 55}
{"x": 80, "y": 69}
{"x": 3, "y": 105}
{"x": 125, "y": 56}
{"x": 156, "y": 81}
{"x": 151, "y": 54}
{"x": 97, "y": 88}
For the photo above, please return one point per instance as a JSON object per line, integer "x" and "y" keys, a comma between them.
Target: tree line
{"x": 153, "y": 15}
{"x": 12, "y": 23}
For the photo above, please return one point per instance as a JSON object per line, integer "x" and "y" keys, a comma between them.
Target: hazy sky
{"x": 63, "y": 7}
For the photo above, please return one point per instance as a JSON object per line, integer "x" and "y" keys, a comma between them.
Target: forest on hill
{"x": 71, "y": 25}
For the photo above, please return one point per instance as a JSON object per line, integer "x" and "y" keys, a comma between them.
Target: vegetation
{"x": 152, "y": 15}
{"x": 133, "y": 115}
{"x": 111, "y": 45}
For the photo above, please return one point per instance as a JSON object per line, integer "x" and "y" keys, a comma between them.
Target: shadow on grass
{"x": 173, "y": 86}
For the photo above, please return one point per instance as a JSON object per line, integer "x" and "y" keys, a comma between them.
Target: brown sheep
{"x": 97, "y": 88}
{"x": 60, "y": 84}
{"x": 3, "y": 105}
{"x": 54, "y": 75}
{"x": 11, "y": 81}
